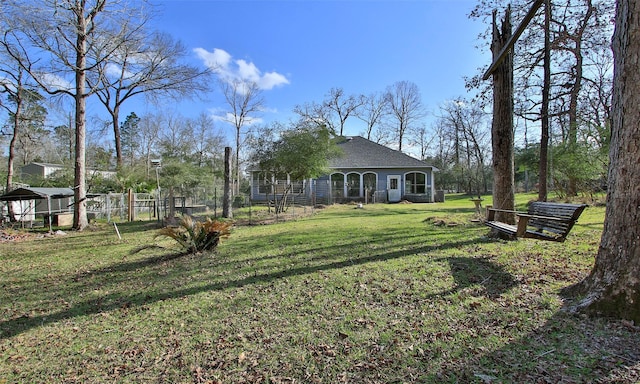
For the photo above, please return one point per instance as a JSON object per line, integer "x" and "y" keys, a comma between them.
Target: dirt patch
{"x": 7, "y": 236}
{"x": 267, "y": 218}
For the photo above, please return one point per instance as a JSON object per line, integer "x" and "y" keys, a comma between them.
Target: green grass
{"x": 388, "y": 293}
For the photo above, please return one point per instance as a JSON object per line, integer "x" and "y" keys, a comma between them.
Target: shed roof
{"x": 362, "y": 153}
{"x": 34, "y": 193}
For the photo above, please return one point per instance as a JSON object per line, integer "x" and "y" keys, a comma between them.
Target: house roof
{"x": 362, "y": 153}
{"x": 50, "y": 165}
{"x": 34, "y": 193}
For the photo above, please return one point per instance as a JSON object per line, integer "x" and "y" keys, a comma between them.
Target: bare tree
{"x": 59, "y": 43}
{"x": 422, "y": 137}
{"x": 333, "y": 112}
{"x": 612, "y": 287}
{"x": 208, "y": 141}
{"x": 26, "y": 116}
{"x": 464, "y": 126}
{"x": 342, "y": 105}
{"x": 314, "y": 113}
{"x": 176, "y": 138}
{"x": 579, "y": 43}
{"x": 64, "y": 137}
{"x": 148, "y": 65}
{"x": 405, "y": 105}
{"x": 572, "y": 36}
{"x": 372, "y": 111}
{"x": 150, "y": 127}
{"x": 245, "y": 102}
{"x": 12, "y": 84}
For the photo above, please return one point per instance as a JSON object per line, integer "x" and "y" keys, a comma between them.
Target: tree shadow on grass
{"x": 145, "y": 273}
{"x": 566, "y": 349}
{"x": 469, "y": 272}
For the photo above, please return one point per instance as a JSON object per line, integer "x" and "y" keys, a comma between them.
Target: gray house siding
{"x": 44, "y": 170}
{"x": 40, "y": 170}
{"x": 365, "y": 188}
{"x": 364, "y": 174}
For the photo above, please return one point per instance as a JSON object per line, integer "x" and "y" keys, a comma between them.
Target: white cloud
{"x": 227, "y": 117}
{"x": 115, "y": 71}
{"x": 230, "y": 70}
{"x": 272, "y": 79}
{"x": 217, "y": 60}
{"x": 5, "y": 82}
{"x": 52, "y": 81}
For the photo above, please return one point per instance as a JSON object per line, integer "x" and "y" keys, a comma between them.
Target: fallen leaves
{"x": 9, "y": 236}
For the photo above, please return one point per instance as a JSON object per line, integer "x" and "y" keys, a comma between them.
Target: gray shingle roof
{"x": 362, "y": 153}
{"x": 31, "y": 193}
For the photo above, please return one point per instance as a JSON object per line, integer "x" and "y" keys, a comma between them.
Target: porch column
{"x": 345, "y": 187}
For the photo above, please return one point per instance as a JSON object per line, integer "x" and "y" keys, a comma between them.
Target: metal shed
{"x": 37, "y": 193}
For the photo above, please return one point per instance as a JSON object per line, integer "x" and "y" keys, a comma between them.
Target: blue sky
{"x": 300, "y": 49}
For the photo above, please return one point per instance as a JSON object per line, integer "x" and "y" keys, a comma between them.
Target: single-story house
{"x": 40, "y": 170}
{"x": 45, "y": 170}
{"x": 366, "y": 172}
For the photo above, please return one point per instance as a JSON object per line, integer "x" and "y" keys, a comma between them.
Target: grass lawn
{"x": 403, "y": 293}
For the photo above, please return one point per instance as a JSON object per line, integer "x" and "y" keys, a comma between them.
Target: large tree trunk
{"x": 502, "y": 125}
{"x": 80, "y": 220}
{"x": 116, "y": 134}
{"x": 10, "y": 211}
{"x": 613, "y": 287}
{"x": 12, "y": 152}
{"x": 544, "y": 122}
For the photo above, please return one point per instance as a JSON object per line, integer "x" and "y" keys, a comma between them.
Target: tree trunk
{"x": 236, "y": 184}
{"x": 613, "y": 287}
{"x": 12, "y": 153}
{"x": 227, "y": 211}
{"x": 12, "y": 215}
{"x": 544, "y": 123}
{"x": 575, "y": 93}
{"x": 502, "y": 125}
{"x": 80, "y": 220}
{"x": 116, "y": 135}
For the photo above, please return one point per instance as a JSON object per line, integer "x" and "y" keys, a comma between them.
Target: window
{"x": 263, "y": 181}
{"x": 415, "y": 183}
{"x": 297, "y": 186}
{"x": 370, "y": 181}
{"x": 281, "y": 183}
{"x": 337, "y": 185}
{"x": 268, "y": 183}
{"x": 353, "y": 185}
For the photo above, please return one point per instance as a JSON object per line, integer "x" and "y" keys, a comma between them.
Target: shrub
{"x": 195, "y": 236}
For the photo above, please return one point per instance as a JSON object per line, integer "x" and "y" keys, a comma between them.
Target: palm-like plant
{"x": 195, "y": 236}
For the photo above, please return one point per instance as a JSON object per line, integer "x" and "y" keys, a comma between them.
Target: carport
{"x": 37, "y": 193}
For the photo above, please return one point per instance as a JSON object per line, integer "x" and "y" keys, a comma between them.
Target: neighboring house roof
{"x": 49, "y": 165}
{"x": 28, "y": 168}
{"x": 34, "y": 193}
{"x": 362, "y": 153}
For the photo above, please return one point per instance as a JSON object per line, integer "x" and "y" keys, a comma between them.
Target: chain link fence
{"x": 119, "y": 207}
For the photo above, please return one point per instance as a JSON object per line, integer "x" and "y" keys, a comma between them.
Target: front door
{"x": 394, "y": 193}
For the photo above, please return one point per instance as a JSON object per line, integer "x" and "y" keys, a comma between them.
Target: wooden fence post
{"x": 132, "y": 205}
